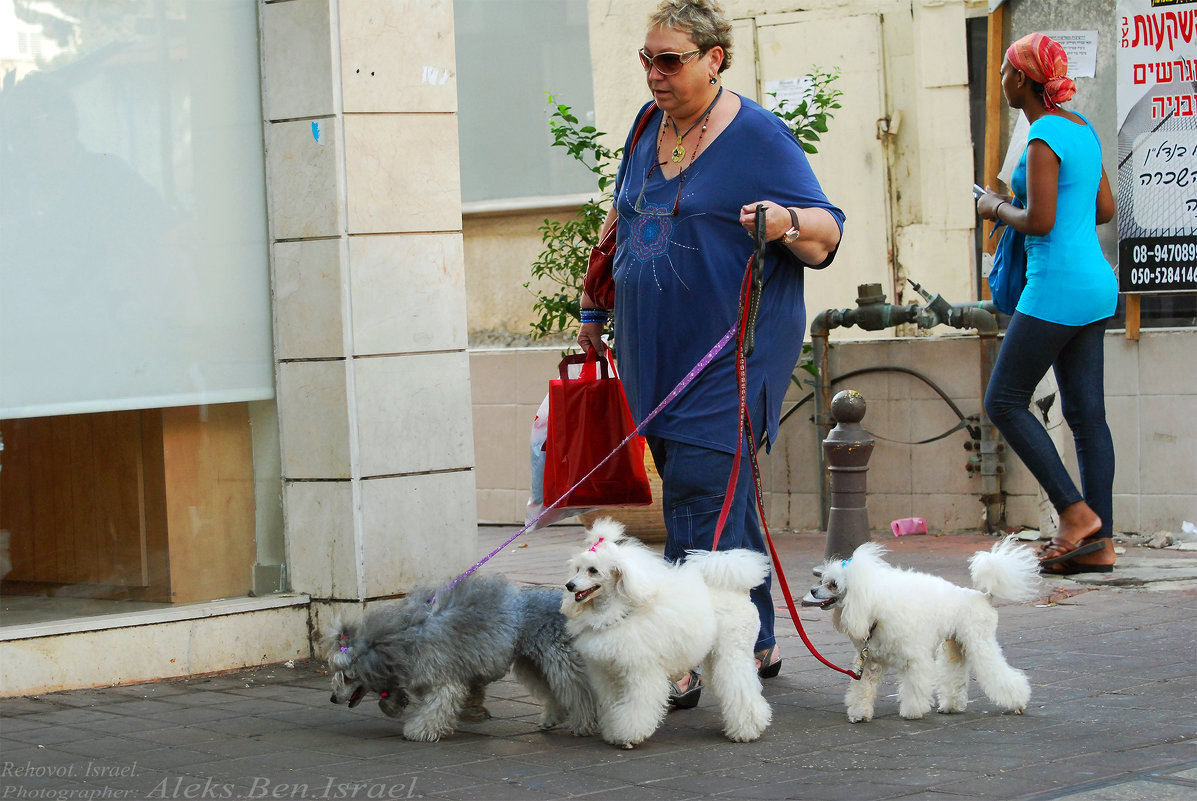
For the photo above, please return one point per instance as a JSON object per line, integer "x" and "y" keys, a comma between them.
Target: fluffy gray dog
{"x": 437, "y": 650}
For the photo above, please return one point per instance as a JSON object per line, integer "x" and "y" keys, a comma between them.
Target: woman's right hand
{"x": 987, "y": 204}
{"x": 590, "y": 335}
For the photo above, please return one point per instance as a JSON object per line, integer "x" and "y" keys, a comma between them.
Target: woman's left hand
{"x": 777, "y": 219}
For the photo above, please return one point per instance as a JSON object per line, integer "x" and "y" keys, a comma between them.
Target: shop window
{"x": 511, "y": 56}
{"x": 136, "y": 366}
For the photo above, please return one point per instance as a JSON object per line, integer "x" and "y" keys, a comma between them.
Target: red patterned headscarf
{"x": 1044, "y": 61}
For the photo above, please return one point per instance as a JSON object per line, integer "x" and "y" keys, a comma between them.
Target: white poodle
{"x": 932, "y": 631}
{"x": 638, "y": 620}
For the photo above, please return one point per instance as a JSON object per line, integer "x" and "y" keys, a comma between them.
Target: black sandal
{"x": 770, "y": 663}
{"x": 688, "y": 698}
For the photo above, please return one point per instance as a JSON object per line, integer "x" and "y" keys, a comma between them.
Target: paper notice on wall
{"x": 1081, "y": 47}
{"x": 792, "y": 90}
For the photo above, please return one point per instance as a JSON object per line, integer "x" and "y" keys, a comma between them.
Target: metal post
{"x": 847, "y": 448}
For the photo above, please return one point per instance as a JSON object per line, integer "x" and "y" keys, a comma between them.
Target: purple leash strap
{"x": 668, "y": 399}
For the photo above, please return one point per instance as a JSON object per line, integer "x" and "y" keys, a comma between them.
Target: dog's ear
{"x": 857, "y": 614}
{"x": 333, "y": 636}
{"x": 633, "y": 582}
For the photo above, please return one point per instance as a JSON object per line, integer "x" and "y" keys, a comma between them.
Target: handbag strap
{"x": 589, "y": 361}
{"x": 641, "y": 124}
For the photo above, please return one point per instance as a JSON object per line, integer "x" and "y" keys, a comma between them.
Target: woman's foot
{"x": 1095, "y": 555}
{"x": 685, "y": 691}
{"x": 1078, "y": 524}
{"x": 768, "y": 662}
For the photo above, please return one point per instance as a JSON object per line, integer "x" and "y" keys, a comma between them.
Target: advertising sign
{"x": 1157, "y": 146}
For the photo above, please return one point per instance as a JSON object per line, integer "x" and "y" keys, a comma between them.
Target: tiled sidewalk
{"x": 1112, "y": 716}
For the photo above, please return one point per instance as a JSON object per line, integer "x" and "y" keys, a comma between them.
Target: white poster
{"x": 1157, "y": 145}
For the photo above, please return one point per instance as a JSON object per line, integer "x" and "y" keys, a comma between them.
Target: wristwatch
{"x": 791, "y": 236}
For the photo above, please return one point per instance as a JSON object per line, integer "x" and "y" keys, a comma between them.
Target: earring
{"x": 714, "y": 80}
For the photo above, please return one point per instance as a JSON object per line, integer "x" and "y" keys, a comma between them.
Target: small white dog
{"x": 638, "y": 620}
{"x": 928, "y": 628}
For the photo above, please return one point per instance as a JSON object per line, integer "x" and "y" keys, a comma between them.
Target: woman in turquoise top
{"x": 1060, "y": 320}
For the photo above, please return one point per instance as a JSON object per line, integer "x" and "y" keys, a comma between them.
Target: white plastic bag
{"x": 535, "y": 508}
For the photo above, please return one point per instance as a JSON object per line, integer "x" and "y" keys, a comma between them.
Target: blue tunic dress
{"x": 677, "y": 278}
{"x": 1069, "y": 281}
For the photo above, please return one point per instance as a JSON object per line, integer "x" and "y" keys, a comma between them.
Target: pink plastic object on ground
{"x": 909, "y": 525}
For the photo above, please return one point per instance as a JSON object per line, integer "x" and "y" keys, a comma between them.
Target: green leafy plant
{"x": 567, "y": 244}
{"x": 563, "y": 261}
{"x": 807, "y": 118}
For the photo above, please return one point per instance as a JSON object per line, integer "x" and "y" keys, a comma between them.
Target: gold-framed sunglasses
{"x": 667, "y": 63}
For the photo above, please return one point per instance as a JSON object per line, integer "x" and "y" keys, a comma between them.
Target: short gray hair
{"x": 702, "y": 20}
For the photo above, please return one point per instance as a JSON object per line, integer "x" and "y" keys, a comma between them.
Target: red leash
{"x": 746, "y": 427}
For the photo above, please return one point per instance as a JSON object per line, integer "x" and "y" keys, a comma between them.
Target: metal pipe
{"x": 872, "y": 313}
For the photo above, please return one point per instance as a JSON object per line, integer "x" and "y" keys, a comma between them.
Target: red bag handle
{"x": 588, "y": 360}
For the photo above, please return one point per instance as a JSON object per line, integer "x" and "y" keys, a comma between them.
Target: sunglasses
{"x": 638, "y": 206}
{"x": 667, "y": 63}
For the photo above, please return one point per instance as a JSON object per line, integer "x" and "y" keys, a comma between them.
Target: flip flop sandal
{"x": 1071, "y": 568}
{"x": 769, "y": 667}
{"x": 1066, "y": 551}
{"x": 688, "y": 698}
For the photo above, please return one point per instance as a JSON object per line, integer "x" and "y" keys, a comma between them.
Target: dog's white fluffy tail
{"x": 1008, "y": 570}
{"x": 738, "y": 569}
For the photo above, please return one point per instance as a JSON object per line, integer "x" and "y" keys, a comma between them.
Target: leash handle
{"x": 757, "y": 269}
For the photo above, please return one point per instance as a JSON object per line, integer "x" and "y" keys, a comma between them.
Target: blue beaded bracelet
{"x": 600, "y": 316}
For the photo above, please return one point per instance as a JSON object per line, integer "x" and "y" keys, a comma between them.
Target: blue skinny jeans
{"x": 693, "y": 486}
{"x": 1076, "y": 353}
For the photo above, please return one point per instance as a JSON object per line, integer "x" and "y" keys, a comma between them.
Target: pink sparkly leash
{"x": 668, "y": 399}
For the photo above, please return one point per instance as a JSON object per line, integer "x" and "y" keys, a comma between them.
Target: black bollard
{"x": 847, "y": 449}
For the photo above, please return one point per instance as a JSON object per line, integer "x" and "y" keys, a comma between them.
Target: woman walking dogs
{"x": 1061, "y": 316}
{"x": 685, "y": 199}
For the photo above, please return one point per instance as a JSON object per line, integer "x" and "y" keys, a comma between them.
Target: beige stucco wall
{"x": 1150, "y": 407}
{"x": 910, "y": 222}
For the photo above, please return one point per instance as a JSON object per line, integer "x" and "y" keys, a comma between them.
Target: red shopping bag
{"x": 589, "y": 419}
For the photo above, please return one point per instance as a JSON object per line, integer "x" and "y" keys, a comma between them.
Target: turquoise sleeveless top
{"x": 1069, "y": 281}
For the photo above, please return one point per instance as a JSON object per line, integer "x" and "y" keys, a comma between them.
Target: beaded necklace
{"x": 679, "y": 150}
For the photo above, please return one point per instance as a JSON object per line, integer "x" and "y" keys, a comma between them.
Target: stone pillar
{"x": 360, "y": 102}
{"x": 848, "y": 448}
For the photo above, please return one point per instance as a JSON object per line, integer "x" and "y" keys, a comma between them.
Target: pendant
{"x": 679, "y": 152}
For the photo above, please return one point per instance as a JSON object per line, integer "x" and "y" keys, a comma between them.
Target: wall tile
{"x": 1167, "y": 444}
{"x": 307, "y": 297}
{"x": 305, "y": 200}
{"x": 1121, "y": 412}
{"x": 398, "y": 54}
{"x": 408, "y": 293}
{"x": 1166, "y": 512}
{"x": 414, "y": 413}
{"x": 417, "y": 530}
{"x": 322, "y": 554}
{"x": 297, "y": 74}
{"x": 1157, "y": 350}
{"x": 501, "y": 446}
{"x": 313, "y": 419}
{"x": 412, "y": 157}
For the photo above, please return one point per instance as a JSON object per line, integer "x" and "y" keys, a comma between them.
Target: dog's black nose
{"x": 570, "y": 586}
{"x": 333, "y": 698}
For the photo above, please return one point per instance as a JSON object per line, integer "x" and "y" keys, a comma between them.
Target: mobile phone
{"x": 977, "y": 191}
